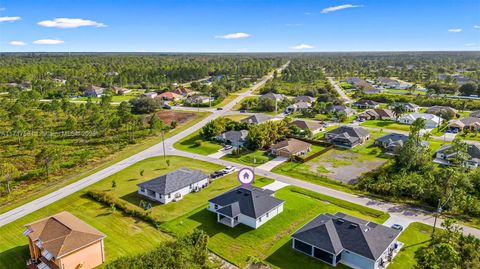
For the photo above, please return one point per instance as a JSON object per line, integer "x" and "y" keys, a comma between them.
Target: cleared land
{"x": 382, "y": 124}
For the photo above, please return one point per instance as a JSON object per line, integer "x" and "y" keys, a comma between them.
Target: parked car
{"x": 229, "y": 169}
{"x": 165, "y": 106}
{"x": 243, "y": 111}
{"x": 219, "y": 108}
{"x": 217, "y": 174}
{"x": 227, "y": 147}
{"x": 397, "y": 227}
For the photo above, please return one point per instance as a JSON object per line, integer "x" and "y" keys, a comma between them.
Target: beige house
{"x": 289, "y": 147}
{"x": 63, "y": 241}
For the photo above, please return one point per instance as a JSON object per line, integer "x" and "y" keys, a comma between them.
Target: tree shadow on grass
{"x": 287, "y": 258}
{"x": 208, "y": 223}
{"x": 134, "y": 198}
{"x": 15, "y": 257}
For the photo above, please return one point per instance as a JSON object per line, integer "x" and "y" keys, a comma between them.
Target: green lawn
{"x": 236, "y": 117}
{"x": 270, "y": 242}
{"x": 226, "y": 100}
{"x": 469, "y": 136}
{"x": 385, "y": 124}
{"x": 254, "y": 158}
{"x": 188, "y": 144}
{"x": 106, "y": 162}
{"x": 414, "y": 237}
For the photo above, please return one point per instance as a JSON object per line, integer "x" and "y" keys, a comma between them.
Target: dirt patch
{"x": 343, "y": 166}
{"x": 180, "y": 117}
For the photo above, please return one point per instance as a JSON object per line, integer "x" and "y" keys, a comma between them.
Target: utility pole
{"x": 437, "y": 214}
{"x": 163, "y": 143}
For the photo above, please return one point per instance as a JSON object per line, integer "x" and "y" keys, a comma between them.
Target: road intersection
{"x": 399, "y": 213}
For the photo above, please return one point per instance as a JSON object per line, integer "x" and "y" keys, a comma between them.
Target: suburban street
{"x": 399, "y": 213}
{"x": 339, "y": 90}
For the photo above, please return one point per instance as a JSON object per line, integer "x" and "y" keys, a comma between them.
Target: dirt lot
{"x": 180, "y": 117}
{"x": 342, "y": 165}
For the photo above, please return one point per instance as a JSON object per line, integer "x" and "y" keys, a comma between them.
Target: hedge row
{"x": 380, "y": 215}
{"x": 127, "y": 208}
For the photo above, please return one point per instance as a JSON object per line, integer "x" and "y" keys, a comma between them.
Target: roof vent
{"x": 246, "y": 194}
{"x": 340, "y": 221}
{"x": 353, "y": 226}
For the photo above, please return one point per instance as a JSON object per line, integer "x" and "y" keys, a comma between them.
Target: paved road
{"x": 399, "y": 213}
{"x": 156, "y": 150}
{"x": 342, "y": 94}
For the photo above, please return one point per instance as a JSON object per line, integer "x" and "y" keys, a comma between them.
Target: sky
{"x": 238, "y": 26}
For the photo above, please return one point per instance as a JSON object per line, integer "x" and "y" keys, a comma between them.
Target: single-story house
{"x": 313, "y": 127}
{"x": 149, "y": 94}
{"x": 349, "y": 240}
{"x": 290, "y": 147}
{"x": 64, "y": 241}
{"x": 363, "y": 85}
{"x": 441, "y": 110}
{"x": 342, "y": 109}
{"x": 388, "y": 82}
{"x": 120, "y": 90}
{"x": 234, "y": 138}
{"x": 475, "y": 114}
{"x": 468, "y": 123}
{"x": 347, "y": 136}
{"x": 300, "y": 106}
{"x": 444, "y": 155}
{"x": 431, "y": 121}
{"x": 377, "y": 114}
{"x": 257, "y": 119}
{"x": 198, "y": 99}
{"x": 393, "y": 142}
{"x": 304, "y": 98}
{"x": 174, "y": 185}
{"x": 365, "y": 104}
{"x": 249, "y": 206}
{"x": 273, "y": 96}
{"x": 409, "y": 107}
{"x": 169, "y": 96}
{"x": 354, "y": 80}
{"x": 93, "y": 91}
{"x": 183, "y": 91}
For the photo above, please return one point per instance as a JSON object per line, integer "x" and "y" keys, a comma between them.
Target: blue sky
{"x": 239, "y": 26}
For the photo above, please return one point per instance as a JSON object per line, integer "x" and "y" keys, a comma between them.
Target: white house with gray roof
{"x": 431, "y": 121}
{"x": 234, "y": 138}
{"x": 347, "y": 136}
{"x": 257, "y": 119}
{"x": 446, "y": 153}
{"x": 250, "y": 206}
{"x": 174, "y": 185}
{"x": 345, "y": 239}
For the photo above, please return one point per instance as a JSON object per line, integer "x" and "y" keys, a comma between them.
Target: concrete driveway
{"x": 275, "y": 186}
{"x": 396, "y": 219}
{"x": 220, "y": 153}
{"x": 271, "y": 164}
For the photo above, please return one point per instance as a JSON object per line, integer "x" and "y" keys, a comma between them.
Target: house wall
{"x": 164, "y": 199}
{"x": 356, "y": 261}
{"x": 85, "y": 258}
{"x": 249, "y": 221}
{"x": 272, "y": 213}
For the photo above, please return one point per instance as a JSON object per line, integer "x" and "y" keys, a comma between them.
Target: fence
{"x": 328, "y": 146}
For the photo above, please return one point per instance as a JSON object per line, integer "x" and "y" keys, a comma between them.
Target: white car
{"x": 229, "y": 169}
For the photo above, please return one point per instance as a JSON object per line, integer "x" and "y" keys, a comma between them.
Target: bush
{"x": 197, "y": 143}
{"x": 105, "y": 198}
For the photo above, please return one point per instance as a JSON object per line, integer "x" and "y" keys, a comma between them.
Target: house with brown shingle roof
{"x": 183, "y": 91}
{"x": 64, "y": 241}
{"x": 169, "y": 96}
{"x": 377, "y": 114}
{"x": 289, "y": 147}
{"x": 313, "y": 127}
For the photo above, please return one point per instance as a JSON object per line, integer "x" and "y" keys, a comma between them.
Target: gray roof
{"x": 304, "y": 98}
{"x": 234, "y": 136}
{"x": 472, "y": 150}
{"x": 173, "y": 181}
{"x": 251, "y": 201}
{"x": 273, "y": 96}
{"x": 310, "y": 125}
{"x": 334, "y": 233}
{"x": 257, "y": 118}
{"x": 350, "y": 131}
{"x": 475, "y": 114}
{"x": 366, "y": 102}
{"x": 393, "y": 137}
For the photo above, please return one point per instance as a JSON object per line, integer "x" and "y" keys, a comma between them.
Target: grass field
{"x": 188, "y": 144}
{"x": 414, "y": 237}
{"x": 383, "y": 124}
{"x": 94, "y": 167}
{"x": 125, "y": 235}
{"x": 254, "y": 158}
{"x": 271, "y": 241}
{"x": 226, "y": 100}
{"x": 236, "y": 117}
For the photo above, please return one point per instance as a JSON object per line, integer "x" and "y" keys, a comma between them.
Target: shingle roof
{"x": 472, "y": 150}
{"x": 310, "y": 125}
{"x": 439, "y": 109}
{"x": 352, "y": 131}
{"x": 235, "y": 136}
{"x": 468, "y": 121}
{"x": 333, "y": 233}
{"x": 475, "y": 114}
{"x": 304, "y": 98}
{"x": 252, "y": 202}
{"x": 366, "y": 102}
{"x": 291, "y": 145}
{"x": 63, "y": 233}
{"x": 273, "y": 96}
{"x": 257, "y": 118}
{"x": 173, "y": 181}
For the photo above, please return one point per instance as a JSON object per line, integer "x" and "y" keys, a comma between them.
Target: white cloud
{"x": 476, "y": 26}
{"x": 455, "y": 30}
{"x": 233, "y": 36}
{"x": 302, "y": 46}
{"x": 336, "y": 8}
{"x": 70, "y": 23}
{"x": 17, "y": 43}
{"x": 2, "y": 19}
{"x": 48, "y": 42}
